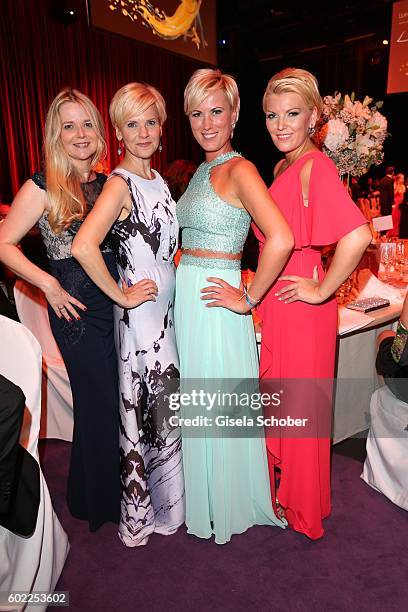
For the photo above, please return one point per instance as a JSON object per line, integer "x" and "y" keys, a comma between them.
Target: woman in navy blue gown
{"x": 81, "y": 316}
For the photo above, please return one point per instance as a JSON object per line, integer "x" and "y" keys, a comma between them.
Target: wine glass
{"x": 404, "y": 263}
{"x": 400, "y": 256}
{"x": 387, "y": 257}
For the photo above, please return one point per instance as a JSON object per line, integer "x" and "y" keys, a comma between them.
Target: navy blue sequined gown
{"x": 88, "y": 349}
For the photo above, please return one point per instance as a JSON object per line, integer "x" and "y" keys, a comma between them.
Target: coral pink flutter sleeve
{"x": 331, "y": 213}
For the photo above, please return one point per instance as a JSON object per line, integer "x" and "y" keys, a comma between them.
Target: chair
{"x": 386, "y": 465}
{"x": 57, "y": 415}
{"x": 29, "y": 563}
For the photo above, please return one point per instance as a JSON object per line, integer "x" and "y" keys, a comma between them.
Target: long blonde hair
{"x": 64, "y": 191}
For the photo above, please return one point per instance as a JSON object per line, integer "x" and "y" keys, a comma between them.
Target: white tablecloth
{"x": 356, "y": 377}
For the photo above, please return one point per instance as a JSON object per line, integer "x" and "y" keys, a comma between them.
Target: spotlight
{"x": 385, "y": 42}
{"x": 62, "y": 11}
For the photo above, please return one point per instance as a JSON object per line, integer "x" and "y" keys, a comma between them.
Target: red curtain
{"x": 40, "y": 56}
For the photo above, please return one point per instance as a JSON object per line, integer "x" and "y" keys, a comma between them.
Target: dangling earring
{"x": 120, "y": 149}
{"x": 233, "y": 128}
{"x": 312, "y": 130}
{"x": 160, "y": 146}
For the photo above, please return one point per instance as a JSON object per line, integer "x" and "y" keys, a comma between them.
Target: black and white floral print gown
{"x": 151, "y": 463}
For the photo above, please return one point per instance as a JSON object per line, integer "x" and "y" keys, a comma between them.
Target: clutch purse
{"x": 368, "y": 304}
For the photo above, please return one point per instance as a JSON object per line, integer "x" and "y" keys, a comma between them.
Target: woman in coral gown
{"x": 299, "y": 311}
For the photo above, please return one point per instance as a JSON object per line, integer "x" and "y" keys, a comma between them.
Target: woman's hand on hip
{"x": 224, "y": 295}
{"x": 301, "y": 289}
{"x": 143, "y": 291}
{"x": 62, "y": 303}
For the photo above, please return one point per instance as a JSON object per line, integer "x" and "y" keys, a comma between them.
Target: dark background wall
{"x": 40, "y": 54}
{"x": 340, "y": 42}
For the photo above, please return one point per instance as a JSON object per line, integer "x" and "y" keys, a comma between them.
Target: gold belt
{"x": 211, "y": 254}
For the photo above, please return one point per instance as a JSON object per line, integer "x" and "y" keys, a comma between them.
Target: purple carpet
{"x": 361, "y": 563}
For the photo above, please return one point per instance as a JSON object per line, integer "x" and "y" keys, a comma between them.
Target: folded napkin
{"x": 370, "y": 286}
{"x": 350, "y": 320}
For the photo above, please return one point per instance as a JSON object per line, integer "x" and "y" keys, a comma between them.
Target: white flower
{"x": 337, "y": 134}
{"x": 351, "y": 133}
{"x": 377, "y": 124}
{"x": 361, "y": 111}
{"x": 364, "y": 144}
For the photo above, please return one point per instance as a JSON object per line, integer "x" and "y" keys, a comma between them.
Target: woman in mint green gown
{"x": 226, "y": 472}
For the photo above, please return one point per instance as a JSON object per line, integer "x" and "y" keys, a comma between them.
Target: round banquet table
{"x": 356, "y": 377}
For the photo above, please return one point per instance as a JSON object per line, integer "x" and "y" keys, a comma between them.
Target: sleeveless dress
{"x": 88, "y": 349}
{"x": 226, "y": 476}
{"x": 396, "y": 211}
{"x": 150, "y": 450}
{"x": 299, "y": 342}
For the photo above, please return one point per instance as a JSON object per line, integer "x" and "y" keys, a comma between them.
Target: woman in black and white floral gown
{"x": 137, "y": 203}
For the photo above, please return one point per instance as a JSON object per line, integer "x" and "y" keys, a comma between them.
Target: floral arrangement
{"x": 351, "y": 133}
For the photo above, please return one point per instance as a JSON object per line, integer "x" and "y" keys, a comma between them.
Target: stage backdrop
{"x": 40, "y": 56}
{"x": 398, "y": 65}
{"x": 187, "y": 27}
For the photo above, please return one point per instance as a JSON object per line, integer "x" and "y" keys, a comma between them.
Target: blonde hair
{"x": 207, "y": 81}
{"x": 296, "y": 80}
{"x": 135, "y": 99}
{"x": 63, "y": 182}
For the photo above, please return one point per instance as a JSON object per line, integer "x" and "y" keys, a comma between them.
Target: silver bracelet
{"x": 252, "y": 303}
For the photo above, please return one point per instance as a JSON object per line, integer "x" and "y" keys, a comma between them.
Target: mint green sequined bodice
{"x": 207, "y": 222}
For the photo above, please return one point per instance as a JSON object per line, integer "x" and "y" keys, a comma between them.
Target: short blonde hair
{"x": 135, "y": 99}
{"x": 64, "y": 191}
{"x": 296, "y": 80}
{"x": 205, "y": 82}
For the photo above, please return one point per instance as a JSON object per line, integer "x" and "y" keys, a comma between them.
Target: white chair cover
{"x": 386, "y": 465}
{"x": 34, "y": 563}
{"x": 57, "y": 415}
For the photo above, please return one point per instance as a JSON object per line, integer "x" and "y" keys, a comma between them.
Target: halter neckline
{"x": 222, "y": 158}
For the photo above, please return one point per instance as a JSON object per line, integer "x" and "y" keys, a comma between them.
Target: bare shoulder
{"x": 319, "y": 162}
{"x": 31, "y": 195}
{"x": 115, "y": 182}
{"x": 28, "y": 207}
{"x": 115, "y": 198}
{"x": 32, "y": 188}
{"x": 116, "y": 189}
{"x": 240, "y": 166}
{"x": 306, "y": 170}
{"x": 241, "y": 163}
